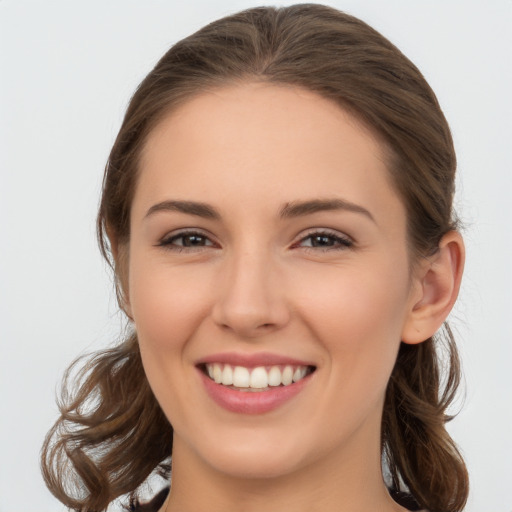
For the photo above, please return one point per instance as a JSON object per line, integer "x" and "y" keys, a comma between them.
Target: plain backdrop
{"x": 67, "y": 71}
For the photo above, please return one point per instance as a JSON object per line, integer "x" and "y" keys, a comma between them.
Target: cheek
{"x": 358, "y": 316}
{"x": 354, "y": 302}
{"x": 167, "y": 307}
{"x": 360, "y": 331}
{"x": 166, "y": 304}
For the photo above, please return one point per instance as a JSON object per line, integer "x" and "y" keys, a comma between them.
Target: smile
{"x": 253, "y": 383}
{"x": 260, "y": 378}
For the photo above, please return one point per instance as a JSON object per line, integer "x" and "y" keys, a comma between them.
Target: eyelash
{"x": 169, "y": 242}
{"x": 340, "y": 242}
{"x": 337, "y": 242}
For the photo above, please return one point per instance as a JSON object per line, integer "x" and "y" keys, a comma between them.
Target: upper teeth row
{"x": 259, "y": 377}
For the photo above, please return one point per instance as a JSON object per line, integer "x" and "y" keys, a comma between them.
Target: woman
{"x": 277, "y": 208}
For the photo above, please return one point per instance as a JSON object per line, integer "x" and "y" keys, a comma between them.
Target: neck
{"x": 353, "y": 485}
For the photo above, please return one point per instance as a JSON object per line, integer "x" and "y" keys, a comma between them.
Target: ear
{"x": 435, "y": 289}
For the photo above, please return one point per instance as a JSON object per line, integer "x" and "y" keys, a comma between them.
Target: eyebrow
{"x": 289, "y": 210}
{"x": 300, "y": 208}
{"x": 191, "y": 207}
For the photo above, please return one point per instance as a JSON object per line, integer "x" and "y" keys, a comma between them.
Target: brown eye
{"x": 325, "y": 241}
{"x": 191, "y": 240}
{"x": 322, "y": 241}
{"x": 186, "y": 240}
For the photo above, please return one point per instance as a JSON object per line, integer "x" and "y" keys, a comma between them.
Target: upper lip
{"x": 252, "y": 360}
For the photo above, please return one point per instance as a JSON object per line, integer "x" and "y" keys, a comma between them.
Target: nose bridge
{"x": 250, "y": 300}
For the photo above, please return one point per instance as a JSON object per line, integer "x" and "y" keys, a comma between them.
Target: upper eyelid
{"x": 323, "y": 231}
{"x": 187, "y": 231}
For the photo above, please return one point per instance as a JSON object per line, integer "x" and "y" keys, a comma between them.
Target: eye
{"x": 326, "y": 240}
{"x": 186, "y": 240}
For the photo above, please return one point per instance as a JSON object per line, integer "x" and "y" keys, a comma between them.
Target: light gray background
{"x": 67, "y": 70}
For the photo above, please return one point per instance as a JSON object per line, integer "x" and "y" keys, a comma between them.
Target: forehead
{"x": 259, "y": 111}
{"x": 260, "y": 143}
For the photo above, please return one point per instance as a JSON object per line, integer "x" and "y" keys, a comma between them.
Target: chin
{"x": 249, "y": 453}
{"x": 256, "y": 465}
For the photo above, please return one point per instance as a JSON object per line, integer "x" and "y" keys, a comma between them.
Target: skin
{"x": 254, "y": 283}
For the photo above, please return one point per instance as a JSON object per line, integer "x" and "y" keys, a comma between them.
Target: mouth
{"x": 257, "y": 383}
{"x": 255, "y": 379}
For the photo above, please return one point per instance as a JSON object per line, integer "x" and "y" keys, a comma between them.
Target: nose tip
{"x": 250, "y": 302}
{"x": 248, "y": 323}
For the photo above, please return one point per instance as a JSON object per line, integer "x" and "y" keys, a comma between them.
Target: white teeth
{"x": 258, "y": 378}
{"x": 287, "y": 375}
{"x": 241, "y": 377}
{"x": 217, "y": 373}
{"x": 274, "y": 376}
{"x": 299, "y": 373}
{"x": 227, "y": 375}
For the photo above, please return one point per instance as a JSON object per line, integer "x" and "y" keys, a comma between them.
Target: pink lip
{"x": 252, "y": 360}
{"x": 246, "y": 402}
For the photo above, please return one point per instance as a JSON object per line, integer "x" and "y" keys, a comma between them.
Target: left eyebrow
{"x": 189, "y": 207}
{"x": 300, "y": 208}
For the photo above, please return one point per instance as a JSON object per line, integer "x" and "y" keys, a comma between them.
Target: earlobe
{"x": 436, "y": 288}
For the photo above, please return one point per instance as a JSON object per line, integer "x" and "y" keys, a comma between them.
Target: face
{"x": 268, "y": 280}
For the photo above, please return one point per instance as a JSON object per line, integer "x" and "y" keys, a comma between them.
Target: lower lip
{"x": 251, "y": 402}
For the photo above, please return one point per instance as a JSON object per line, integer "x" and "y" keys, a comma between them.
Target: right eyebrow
{"x": 190, "y": 207}
{"x": 300, "y": 208}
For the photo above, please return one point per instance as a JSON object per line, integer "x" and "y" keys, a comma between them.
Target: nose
{"x": 250, "y": 301}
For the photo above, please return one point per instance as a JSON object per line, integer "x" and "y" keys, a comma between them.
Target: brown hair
{"x": 112, "y": 433}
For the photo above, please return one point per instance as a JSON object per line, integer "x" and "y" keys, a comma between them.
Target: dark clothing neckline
{"x": 153, "y": 505}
